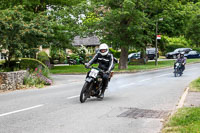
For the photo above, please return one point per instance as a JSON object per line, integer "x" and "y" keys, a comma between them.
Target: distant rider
{"x": 181, "y": 59}
{"x": 106, "y": 63}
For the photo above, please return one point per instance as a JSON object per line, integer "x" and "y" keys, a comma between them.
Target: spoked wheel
{"x": 85, "y": 92}
{"x": 100, "y": 96}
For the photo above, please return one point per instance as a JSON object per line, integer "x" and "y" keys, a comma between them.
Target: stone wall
{"x": 11, "y": 80}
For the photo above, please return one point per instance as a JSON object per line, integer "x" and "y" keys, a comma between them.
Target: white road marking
{"x": 162, "y": 75}
{"x": 73, "y": 97}
{"x": 37, "y": 106}
{"x": 126, "y": 85}
{"x": 145, "y": 80}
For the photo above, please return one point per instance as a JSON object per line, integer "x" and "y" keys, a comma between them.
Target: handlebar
{"x": 90, "y": 67}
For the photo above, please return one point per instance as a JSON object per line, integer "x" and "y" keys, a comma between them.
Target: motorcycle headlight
{"x": 99, "y": 79}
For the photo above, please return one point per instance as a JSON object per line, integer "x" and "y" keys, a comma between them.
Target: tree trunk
{"x": 21, "y": 2}
{"x": 144, "y": 55}
{"x": 123, "y": 58}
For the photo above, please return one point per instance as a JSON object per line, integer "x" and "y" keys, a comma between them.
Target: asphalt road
{"x": 134, "y": 103}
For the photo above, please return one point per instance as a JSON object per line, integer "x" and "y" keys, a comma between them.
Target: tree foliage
{"x": 20, "y": 32}
{"x": 125, "y": 24}
{"x": 128, "y": 24}
{"x": 193, "y": 30}
{"x": 38, "y": 5}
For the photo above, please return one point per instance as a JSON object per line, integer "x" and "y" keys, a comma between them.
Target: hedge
{"x": 170, "y": 48}
{"x": 42, "y": 56}
{"x": 30, "y": 63}
{"x": 116, "y": 53}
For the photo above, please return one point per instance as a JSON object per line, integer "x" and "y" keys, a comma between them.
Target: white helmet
{"x": 103, "y": 49}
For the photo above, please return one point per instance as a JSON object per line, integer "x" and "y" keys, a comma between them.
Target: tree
{"x": 193, "y": 29}
{"x": 124, "y": 24}
{"x": 37, "y": 5}
{"x": 65, "y": 26}
{"x": 21, "y": 32}
{"x": 176, "y": 16}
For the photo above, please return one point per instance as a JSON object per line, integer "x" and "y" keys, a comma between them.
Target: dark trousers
{"x": 105, "y": 80}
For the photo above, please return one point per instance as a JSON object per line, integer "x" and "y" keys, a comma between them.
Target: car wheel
{"x": 174, "y": 56}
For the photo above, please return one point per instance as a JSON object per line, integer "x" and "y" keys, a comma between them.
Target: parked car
{"x": 151, "y": 53}
{"x": 134, "y": 56}
{"x": 192, "y": 54}
{"x": 175, "y": 53}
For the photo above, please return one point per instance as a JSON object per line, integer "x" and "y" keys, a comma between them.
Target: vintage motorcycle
{"x": 93, "y": 84}
{"x": 177, "y": 69}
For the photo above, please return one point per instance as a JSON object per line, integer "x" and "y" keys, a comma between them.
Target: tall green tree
{"x": 20, "y": 33}
{"x": 37, "y": 5}
{"x": 176, "y": 17}
{"x": 193, "y": 30}
{"x": 65, "y": 26}
{"x": 125, "y": 24}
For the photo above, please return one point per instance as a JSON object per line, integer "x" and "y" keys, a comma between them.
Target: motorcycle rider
{"x": 106, "y": 63}
{"x": 181, "y": 59}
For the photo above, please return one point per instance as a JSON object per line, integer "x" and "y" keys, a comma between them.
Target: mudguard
{"x": 88, "y": 79}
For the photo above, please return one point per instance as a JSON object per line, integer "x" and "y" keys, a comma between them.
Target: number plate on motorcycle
{"x": 93, "y": 73}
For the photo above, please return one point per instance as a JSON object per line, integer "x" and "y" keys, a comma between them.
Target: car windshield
{"x": 178, "y": 50}
{"x": 182, "y": 50}
{"x": 193, "y": 52}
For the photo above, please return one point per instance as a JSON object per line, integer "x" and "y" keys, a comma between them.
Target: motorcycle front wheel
{"x": 85, "y": 92}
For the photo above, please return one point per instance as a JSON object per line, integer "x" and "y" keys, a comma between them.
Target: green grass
{"x": 131, "y": 68}
{"x": 186, "y": 120}
{"x": 195, "y": 85}
{"x": 69, "y": 69}
{"x": 2, "y": 61}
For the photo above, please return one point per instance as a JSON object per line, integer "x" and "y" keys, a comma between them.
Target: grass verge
{"x": 195, "y": 85}
{"x": 131, "y": 68}
{"x": 185, "y": 120}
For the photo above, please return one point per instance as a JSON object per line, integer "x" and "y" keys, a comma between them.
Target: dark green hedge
{"x": 43, "y": 57}
{"x": 31, "y": 63}
{"x": 26, "y": 63}
{"x": 170, "y": 48}
{"x": 116, "y": 53}
{"x": 197, "y": 49}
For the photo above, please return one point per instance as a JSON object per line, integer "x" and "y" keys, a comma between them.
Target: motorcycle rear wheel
{"x": 85, "y": 92}
{"x": 175, "y": 73}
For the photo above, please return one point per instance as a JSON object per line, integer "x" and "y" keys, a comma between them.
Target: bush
{"x": 42, "y": 56}
{"x": 132, "y": 51}
{"x": 31, "y": 64}
{"x": 168, "y": 44}
{"x": 37, "y": 78}
{"x": 74, "y": 56}
{"x": 58, "y": 54}
{"x": 197, "y": 49}
{"x": 170, "y": 48}
{"x": 115, "y": 53}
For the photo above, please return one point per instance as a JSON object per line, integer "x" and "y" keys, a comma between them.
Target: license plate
{"x": 93, "y": 73}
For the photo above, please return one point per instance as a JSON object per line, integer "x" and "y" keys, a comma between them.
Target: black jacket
{"x": 106, "y": 62}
